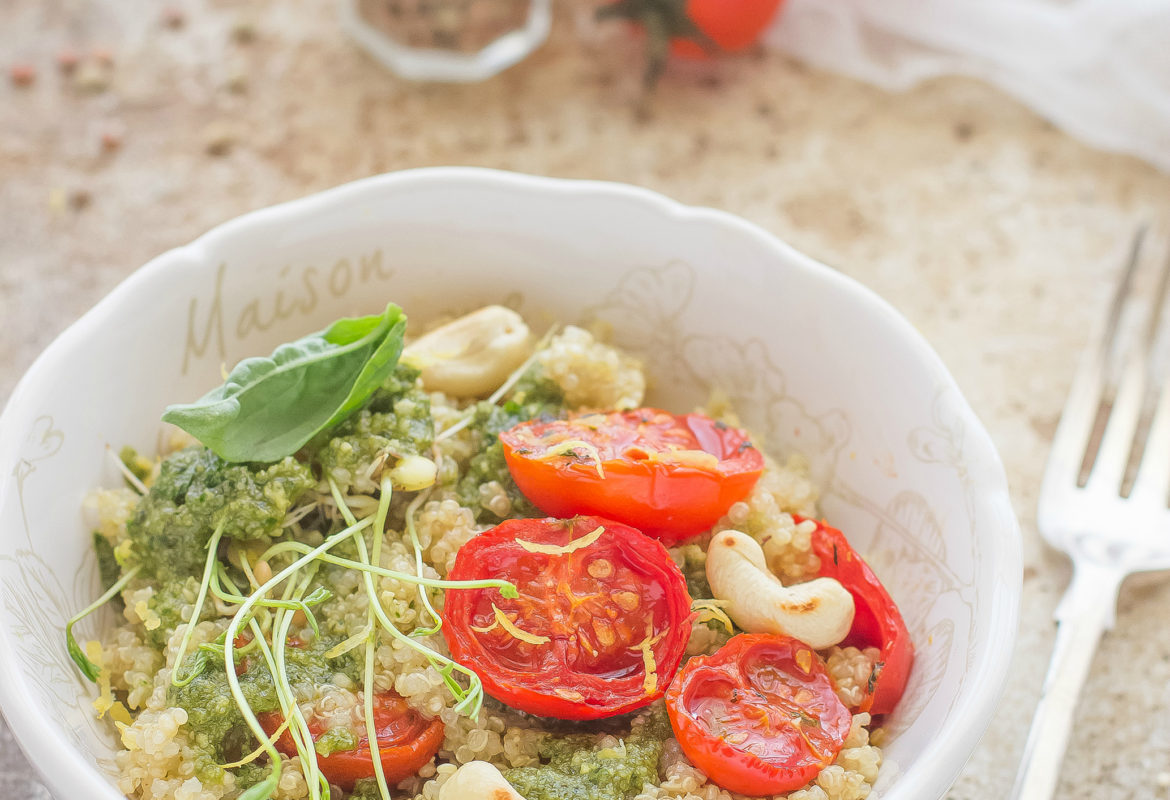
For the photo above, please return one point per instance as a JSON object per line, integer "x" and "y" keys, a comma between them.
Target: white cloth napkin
{"x": 1100, "y": 69}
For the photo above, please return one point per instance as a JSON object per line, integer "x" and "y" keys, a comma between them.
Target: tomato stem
{"x": 663, "y": 20}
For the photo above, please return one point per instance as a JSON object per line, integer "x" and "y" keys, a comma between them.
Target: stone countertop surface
{"x": 994, "y": 233}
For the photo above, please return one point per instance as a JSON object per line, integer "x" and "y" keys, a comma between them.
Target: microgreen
{"x": 506, "y": 588}
{"x": 412, "y": 532}
{"x": 245, "y": 709}
{"x": 87, "y": 667}
{"x": 243, "y": 613}
{"x": 299, "y": 727}
{"x": 468, "y": 700}
{"x": 343, "y": 505}
{"x": 368, "y": 709}
{"x": 208, "y": 570}
{"x": 372, "y": 637}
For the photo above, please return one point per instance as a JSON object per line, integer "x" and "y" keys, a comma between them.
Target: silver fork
{"x": 1084, "y": 509}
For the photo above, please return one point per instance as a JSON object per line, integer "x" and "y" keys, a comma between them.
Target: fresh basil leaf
{"x": 270, "y": 407}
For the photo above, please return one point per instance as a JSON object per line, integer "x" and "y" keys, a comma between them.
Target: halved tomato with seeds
{"x": 600, "y": 625}
{"x": 671, "y": 477}
{"x": 406, "y": 741}
{"x": 760, "y": 716}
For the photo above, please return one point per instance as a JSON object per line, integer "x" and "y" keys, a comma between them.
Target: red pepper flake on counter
{"x": 22, "y": 74}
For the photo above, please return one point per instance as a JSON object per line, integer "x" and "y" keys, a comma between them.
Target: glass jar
{"x": 448, "y": 40}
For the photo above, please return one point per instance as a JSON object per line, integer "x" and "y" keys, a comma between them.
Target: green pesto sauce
{"x": 168, "y": 601}
{"x": 694, "y": 569}
{"x": 216, "y": 728}
{"x": 139, "y": 466}
{"x": 365, "y": 789}
{"x": 577, "y": 769}
{"x": 251, "y": 773}
{"x": 397, "y": 421}
{"x": 335, "y": 740}
{"x": 195, "y": 492}
{"x": 534, "y": 397}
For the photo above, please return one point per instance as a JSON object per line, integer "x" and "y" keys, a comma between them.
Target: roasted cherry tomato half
{"x": 671, "y": 477}
{"x": 876, "y": 621}
{"x": 600, "y": 625}
{"x": 760, "y": 716}
{"x": 406, "y": 741}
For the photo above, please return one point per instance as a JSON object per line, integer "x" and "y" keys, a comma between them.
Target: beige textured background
{"x": 994, "y": 233}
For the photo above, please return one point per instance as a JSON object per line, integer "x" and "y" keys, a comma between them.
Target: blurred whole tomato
{"x": 693, "y": 28}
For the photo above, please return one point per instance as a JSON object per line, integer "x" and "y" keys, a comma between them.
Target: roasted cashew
{"x": 477, "y": 780}
{"x": 414, "y": 473}
{"x": 472, "y": 355}
{"x": 818, "y": 612}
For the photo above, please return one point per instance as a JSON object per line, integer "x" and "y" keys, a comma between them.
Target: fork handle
{"x": 1085, "y": 612}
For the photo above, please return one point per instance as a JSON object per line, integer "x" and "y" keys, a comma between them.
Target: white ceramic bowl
{"x": 815, "y": 362}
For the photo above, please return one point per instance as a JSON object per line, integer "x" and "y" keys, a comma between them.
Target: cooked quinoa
{"x": 163, "y": 756}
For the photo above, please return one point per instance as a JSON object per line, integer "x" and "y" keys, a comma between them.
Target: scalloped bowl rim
{"x": 936, "y": 768}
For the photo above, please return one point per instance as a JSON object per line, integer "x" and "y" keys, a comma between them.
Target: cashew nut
{"x": 818, "y": 612}
{"x": 472, "y": 355}
{"x": 413, "y": 473}
{"x": 477, "y": 780}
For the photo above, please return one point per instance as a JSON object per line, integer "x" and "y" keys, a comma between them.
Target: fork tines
{"x": 1115, "y": 431}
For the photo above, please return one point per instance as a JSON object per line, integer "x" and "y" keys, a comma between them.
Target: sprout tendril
{"x": 208, "y": 571}
{"x": 412, "y": 531}
{"x": 87, "y": 667}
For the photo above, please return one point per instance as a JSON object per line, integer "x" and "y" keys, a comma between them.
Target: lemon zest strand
{"x": 555, "y": 550}
{"x": 502, "y": 621}
{"x": 564, "y": 448}
{"x": 712, "y": 611}
{"x": 259, "y": 751}
{"x": 353, "y": 642}
{"x": 646, "y": 648}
